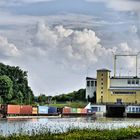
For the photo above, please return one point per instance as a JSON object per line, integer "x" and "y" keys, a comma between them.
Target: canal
{"x": 10, "y": 126}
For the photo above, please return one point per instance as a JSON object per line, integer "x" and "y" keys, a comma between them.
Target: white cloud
{"x": 18, "y": 2}
{"x": 121, "y": 5}
{"x": 133, "y": 29}
{"x": 7, "y": 49}
{"x": 52, "y": 55}
{"x": 70, "y": 46}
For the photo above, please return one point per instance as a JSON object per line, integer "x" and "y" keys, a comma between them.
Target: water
{"x": 55, "y": 125}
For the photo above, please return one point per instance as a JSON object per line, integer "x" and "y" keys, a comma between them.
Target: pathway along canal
{"x": 10, "y": 126}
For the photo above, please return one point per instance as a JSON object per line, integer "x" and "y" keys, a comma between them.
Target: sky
{"x": 61, "y": 42}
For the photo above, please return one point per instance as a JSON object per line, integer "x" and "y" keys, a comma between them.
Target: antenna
{"x": 124, "y": 55}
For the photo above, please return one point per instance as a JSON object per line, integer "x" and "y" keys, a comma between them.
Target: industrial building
{"x": 119, "y": 90}
{"x": 120, "y": 94}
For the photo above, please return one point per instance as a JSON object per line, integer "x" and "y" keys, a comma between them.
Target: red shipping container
{"x": 13, "y": 109}
{"x": 84, "y": 111}
{"x": 66, "y": 110}
{"x": 25, "y": 110}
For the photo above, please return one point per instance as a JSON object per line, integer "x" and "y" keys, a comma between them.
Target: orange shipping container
{"x": 66, "y": 110}
{"x": 13, "y": 109}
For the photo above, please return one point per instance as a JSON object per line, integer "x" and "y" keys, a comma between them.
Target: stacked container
{"x": 52, "y": 110}
{"x": 43, "y": 110}
{"x": 73, "y": 110}
{"x": 79, "y": 110}
{"x": 34, "y": 110}
{"x": 13, "y": 109}
{"x": 66, "y": 110}
{"x": 25, "y": 110}
{"x": 84, "y": 111}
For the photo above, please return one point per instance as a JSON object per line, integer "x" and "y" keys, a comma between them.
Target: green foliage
{"x": 78, "y": 134}
{"x": 74, "y": 96}
{"x": 6, "y": 88}
{"x": 20, "y": 91}
{"x": 42, "y": 99}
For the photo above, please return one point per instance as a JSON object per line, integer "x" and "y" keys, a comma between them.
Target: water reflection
{"x": 10, "y": 126}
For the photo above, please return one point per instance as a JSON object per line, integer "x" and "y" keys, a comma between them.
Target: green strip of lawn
{"x": 85, "y": 134}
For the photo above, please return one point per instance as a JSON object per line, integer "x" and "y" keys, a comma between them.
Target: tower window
{"x": 133, "y": 81}
{"x": 88, "y": 83}
{"x": 92, "y": 83}
{"x": 137, "y": 82}
{"x": 129, "y": 81}
{"x": 95, "y": 83}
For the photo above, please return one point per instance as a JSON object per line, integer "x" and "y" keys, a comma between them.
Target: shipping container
{"x": 43, "y": 110}
{"x": 79, "y": 110}
{"x": 34, "y": 110}
{"x": 25, "y": 110}
{"x": 84, "y": 111}
{"x": 66, "y": 110}
{"x": 13, "y": 109}
{"x": 73, "y": 110}
{"x": 52, "y": 110}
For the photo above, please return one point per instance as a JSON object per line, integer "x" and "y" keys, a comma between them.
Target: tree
{"x": 20, "y": 86}
{"x": 6, "y": 88}
{"x": 42, "y": 99}
{"x": 73, "y": 96}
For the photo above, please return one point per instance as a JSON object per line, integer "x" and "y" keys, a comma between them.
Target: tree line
{"x": 14, "y": 86}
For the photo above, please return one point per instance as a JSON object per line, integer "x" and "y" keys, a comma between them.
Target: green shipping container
{"x": 73, "y": 110}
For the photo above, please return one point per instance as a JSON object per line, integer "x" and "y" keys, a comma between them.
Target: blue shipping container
{"x": 43, "y": 109}
{"x": 52, "y": 110}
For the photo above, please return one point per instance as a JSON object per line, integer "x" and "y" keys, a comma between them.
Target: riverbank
{"x": 129, "y": 133}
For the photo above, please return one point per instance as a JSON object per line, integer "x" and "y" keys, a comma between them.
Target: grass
{"x": 70, "y": 104}
{"x": 77, "y": 134}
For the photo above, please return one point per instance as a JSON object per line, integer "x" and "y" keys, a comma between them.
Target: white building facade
{"x": 91, "y": 84}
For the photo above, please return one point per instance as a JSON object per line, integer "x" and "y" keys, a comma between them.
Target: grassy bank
{"x": 85, "y": 134}
{"x": 70, "y": 104}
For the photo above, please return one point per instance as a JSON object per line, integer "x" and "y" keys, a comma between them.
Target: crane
{"x": 123, "y": 55}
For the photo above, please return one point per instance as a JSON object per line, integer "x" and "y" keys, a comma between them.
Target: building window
{"x": 133, "y": 81}
{"x": 137, "y": 110}
{"x": 133, "y": 109}
{"x": 101, "y": 92}
{"x": 88, "y": 83}
{"x": 92, "y": 83}
{"x": 95, "y": 83}
{"x": 102, "y": 74}
{"x": 101, "y": 99}
{"x": 137, "y": 82}
{"x": 129, "y": 81}
{"x": 101, "y": 79}
{"x": 119, "y": 101}
{"x": 101, "y": 87}
{"x": 115, "y": 92}
{"x": 129, "y": 109}
{"x": 102, "y": 83}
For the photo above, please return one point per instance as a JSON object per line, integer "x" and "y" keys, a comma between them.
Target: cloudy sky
{"x": 60, "y": 42}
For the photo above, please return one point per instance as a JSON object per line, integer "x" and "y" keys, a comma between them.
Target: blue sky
{"x": 60, "y": 42}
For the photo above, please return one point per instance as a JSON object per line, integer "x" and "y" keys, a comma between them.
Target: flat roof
{"x": 125, "y": 77}
{"x": 103, "y": 70}
{"x": 90, "y": 78}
